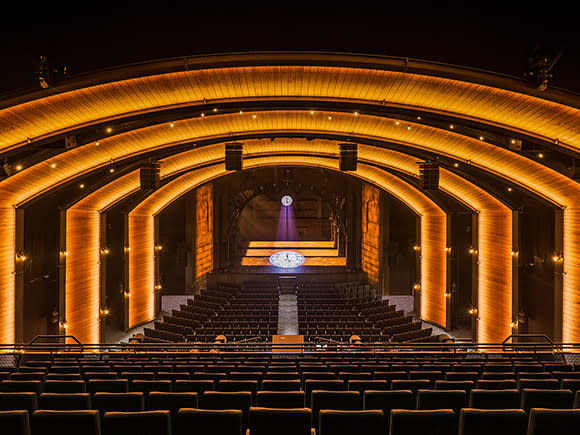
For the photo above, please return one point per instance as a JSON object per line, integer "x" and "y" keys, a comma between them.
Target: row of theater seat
{"x": 315, "y": 399}
{"x": 265, "y": 421}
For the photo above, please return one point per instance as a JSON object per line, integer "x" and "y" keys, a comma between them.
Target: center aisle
{"x": 288, "y": 315}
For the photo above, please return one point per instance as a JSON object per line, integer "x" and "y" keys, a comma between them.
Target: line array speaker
{"x": 150, "y": 176}
{"x": 234, "y": 152}
{"x": 429, "y": 175}
{"x": 348, "y": 156}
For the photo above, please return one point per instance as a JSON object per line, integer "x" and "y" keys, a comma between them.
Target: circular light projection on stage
{"x": 287, "y": 259}
{"x": 287, "y": 200}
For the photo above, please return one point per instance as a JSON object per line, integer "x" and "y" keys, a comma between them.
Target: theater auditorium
{"x": 291, "y": 243}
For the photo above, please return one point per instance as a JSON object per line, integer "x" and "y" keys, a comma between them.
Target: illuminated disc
{"x": 287, "y": 200}
{"x": 287, "y": 259}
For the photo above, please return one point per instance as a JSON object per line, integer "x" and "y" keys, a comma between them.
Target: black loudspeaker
{"x": 234, "y": 156}
{"x": 348, "y": 156}
{"x": 429, "y": 175}
{"x": 150, "y": 176}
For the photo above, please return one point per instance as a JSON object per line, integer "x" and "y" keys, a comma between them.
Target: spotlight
{"x": 287, "y": 200}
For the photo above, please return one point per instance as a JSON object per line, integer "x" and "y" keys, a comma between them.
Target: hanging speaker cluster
{"x": 348, "y": 156}
{"x": 150, "y": 175}
{"x": 234, "y": 152}
{"x": 429, "y": 175}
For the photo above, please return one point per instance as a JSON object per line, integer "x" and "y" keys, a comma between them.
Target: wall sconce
{"x": 105, "y": 251}
{"x": 448, "y": 295}
{"x": 448, "y": 249}
{"x": 416, "y": 247}
{"x": 158, "y": 247}
{"x": 514, "y": 252}
{"x": 557, "y": 258}
{"x": 416, "y": 286}
{"x": 63, "y": 324}
{"x": 158, "y": 287}
{"x": 513, "y": 324}
{"x": 472, "y": 311}
{"x": 21, "y": 257}
{"x": 104, "y": 312}
{"x": 473, "y": 251}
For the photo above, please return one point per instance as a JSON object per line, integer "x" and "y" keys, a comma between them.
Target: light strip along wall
{"x": 141, "y": 232}
{"x": 531, "y": 175}
{"x": 85, "y": 106}
{"x": 83, "y": 245}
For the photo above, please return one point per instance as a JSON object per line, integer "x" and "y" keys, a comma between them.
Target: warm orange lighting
{"x": 109, "y": 130}
{"x": 416, "y": 247}
{"x": 18, "y": 167}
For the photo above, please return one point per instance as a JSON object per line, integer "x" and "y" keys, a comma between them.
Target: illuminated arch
{"x": 34, "y": 181}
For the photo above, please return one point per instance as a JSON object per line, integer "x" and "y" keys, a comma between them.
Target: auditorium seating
{"x": 397, "y": 391}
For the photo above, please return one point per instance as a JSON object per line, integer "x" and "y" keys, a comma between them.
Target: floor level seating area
{"x": 170, "y": 393}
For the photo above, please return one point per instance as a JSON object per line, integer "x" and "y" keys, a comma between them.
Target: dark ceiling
{"x": 499, "y": 40}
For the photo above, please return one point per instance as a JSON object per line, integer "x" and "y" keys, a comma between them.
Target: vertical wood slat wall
{"x": 571, "y": 271}
{"x": 495, "y": 262}
{"x": 370, "y": 233}
{"x": 83, "y": 246}
{"x": 204, "y": 231}
{"x": 7, "y": 283}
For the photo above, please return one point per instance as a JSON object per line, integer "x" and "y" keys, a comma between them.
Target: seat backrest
{"x": 241, "y": 400}
{"x": 438, "y": 399}
{"x": 280, "y": 399}
{"x": 108, "y": 386}
{"x": 494, "y": 399}
{"x": 64, "y": 401}
{"x": 280, "y": 385}
{"x": 362, "y": 385}
{"x": 328, "y": 385}
{"x": 122, "y": 402}
{"x": 455, "y": 385}
{"x": 21, "y": 386}
{"x": 546, "y": 384}
{"x": 280, "y": 421}
{"x": 388, "y": 400}
{"x": 544, "y": 421}
{"x": 438, "y": 421}
{"x": 84, "y": 422}
{"x": 206, "y": 421}
{"x": 462, "y": 376}
{"x": 12, "y": 401}
{"x": 145, "y": 386}
{"x": 570, "y": 384}
{"x": 15, "y": 422}
{"x": 51, "y": 386}
{"x": 193, "y": 386}
{"x": 172, "y": 402}
{"x": 506, "y": 384}
{"x": 142, "y": 423}
{"x": 493, "y": 421}
{"x": 370, "y": 422}
{"x": 542, "y": 398}
{"x": 337, "y": 400}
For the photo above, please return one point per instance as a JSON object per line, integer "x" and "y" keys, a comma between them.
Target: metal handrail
{"x": 31, "y": 342}
{"x": 548, "y": 339}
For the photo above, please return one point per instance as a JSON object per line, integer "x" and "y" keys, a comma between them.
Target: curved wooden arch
{"x": 495, "y": 244}
{"x": 60, "y": 113}
{"x": 141, "y": 232}
{"x": 548, "y": 183}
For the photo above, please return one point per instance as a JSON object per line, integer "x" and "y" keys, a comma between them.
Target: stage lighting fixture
{"x": 287, "y": 200}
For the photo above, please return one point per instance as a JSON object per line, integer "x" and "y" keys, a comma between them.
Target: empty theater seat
{"x": 494, "y": 399}
{"x": 543, "y": 398}
{"x": 439, "y": 421}
{"x": 280, "y": 399}
{"x": 371, "y": 422}
{"x": 266, "y": 421}
{"x": 142, "y": 423}
{"x": 492, "y": 421}
{"x": 14, "y": 401}
{"x": 15, "y": 422}
{"x": 64, "y": 401}
{"x": 65, "y": 422}
{"x": 438, "y": 399}
{"x": 553, "y": 421}
{"x": 206, "y": 421}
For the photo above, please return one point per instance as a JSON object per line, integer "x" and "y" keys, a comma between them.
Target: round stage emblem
{"x": 287, "y": 259}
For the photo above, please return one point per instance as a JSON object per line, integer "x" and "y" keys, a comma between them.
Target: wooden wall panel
{"x": 371, "y": 233}
{"x": 83, "y": 245}
{"x": 7, "y": 267}
{"x": 571, "y": 270}
{"x": 141, "y": 269}
{"x": 82, "y": 290}
{"x": 204, "y": 230}
{"x": 494, "y": 256}
{"x": 433, "y": 267}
